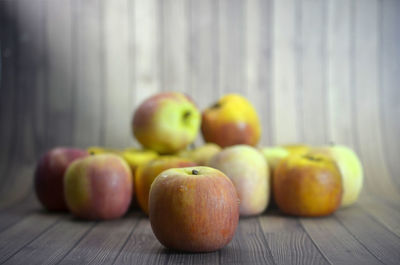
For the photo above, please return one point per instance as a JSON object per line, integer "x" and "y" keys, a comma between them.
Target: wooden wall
{"x": 72, "y": 73}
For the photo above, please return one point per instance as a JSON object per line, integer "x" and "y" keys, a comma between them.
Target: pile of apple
{"x": 194, "y": 196}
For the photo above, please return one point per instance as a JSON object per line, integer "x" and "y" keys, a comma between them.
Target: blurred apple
{"x": 49, "y": 174}
{"x": 98, "y": 187}
{"x": 166, "y": 122}
{"x": 201, "y": 155}
{"x": 350, "y": 168}
{"x": 135, "y": 157}
{"x": 96, "y": 150}
{"x": 146, "y": 173}
{"x": 248, "y": 170}
{"x": 230, "y": 121}
{"x": 193, "y": 209}
{"x": 307, "y": 185}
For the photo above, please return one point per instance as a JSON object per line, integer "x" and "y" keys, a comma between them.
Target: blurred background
{"x": 73, "y": 71}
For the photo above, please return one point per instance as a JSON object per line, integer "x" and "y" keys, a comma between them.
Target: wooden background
{"x": 72, "y": 72}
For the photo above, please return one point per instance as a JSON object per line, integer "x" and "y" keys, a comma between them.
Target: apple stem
{"x": 195, "y": 172}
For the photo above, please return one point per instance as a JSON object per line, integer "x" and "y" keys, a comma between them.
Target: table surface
{"x": 365, "y": 233}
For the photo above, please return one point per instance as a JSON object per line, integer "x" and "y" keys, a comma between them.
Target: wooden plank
{"x": 88, "y": 74}
{"x": 174, "y": 45}
{"x": 60, "y": 65}
{"x": 203, "y": 52}
{"x": 263, "y": 88}
{"x": 382, "y": 243}
{"x": 231, "y": 47}
{"x": 118, "y": 68}
{"x": 142, "y": 247}
{"x": 53, "y": 244}
{"x": 312, "y": 76}
{"x": 101, "y": 244}
{"x": 384, "y": 213}
{"x": 22, "y": 233}
{"x": 366, "y": 99}
{"x": 288, "y": 242}
{"x": 336, "y": 243}
{"x": 146, "y": 53}
{"x": 389, "y": 81}
{"x": 339, "y": 81}
{"x": 17, "y": 210}
{"x": 284, "y": 80}
{"x": 249, "y": 246}
{"x": 8, "y": 53}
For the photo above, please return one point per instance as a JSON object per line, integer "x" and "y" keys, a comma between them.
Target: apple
{"x": 166, "y": 122}
{"x": 299, "y": 149}
{"x": 249, "y": 172}
{"x": 98, "y": 187}
{"x": 231, "y": 121}
{"x": 49, "y": 174}
{"x": 146, "y": 173}
{"x": 135, "y": 157}
{"x": 201, "y": 155}
{"x": 307, "y": 185}
{"x": 350, "y": 168}
{"x": 193, "y": 209}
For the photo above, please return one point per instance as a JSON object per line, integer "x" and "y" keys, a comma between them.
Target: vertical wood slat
{"x": 257, "y": 62}
{"x": 59, "y": 70}
{"x": 117, "y": 91}
{"x": 339, "y": 106}
{"x": 284, "y": 72}
{"x": 174, "y": 46}
{"x": 389, "y": 85}
{"x": 312, "y": 71}
{"x": 231, "y": 47}
{"x": 89, "y": 73}
{"x": 366, "y": 98}
{"x": 146, "y": 52}
{"x": 203, "y": 51}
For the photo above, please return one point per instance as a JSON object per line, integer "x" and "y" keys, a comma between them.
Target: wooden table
{"x": 366, "y": 233}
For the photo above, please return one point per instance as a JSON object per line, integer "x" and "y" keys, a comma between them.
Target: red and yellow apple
{"x": 98, "y": 187}
{"x": 350, "y": 168}
{"x": 231, "y": 121}
{"x": 202, "y": 154}
{"x": 166, "y": 122}
{"x": 307, "y": 185}
{"x": 193, "y": 209}
{"x": 146, "y": 173}
{"x": 249, "y": 172}
{"x": 49, "y": 174}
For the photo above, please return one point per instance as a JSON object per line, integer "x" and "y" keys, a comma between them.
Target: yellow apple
{"x": 350, "y": 168}
{"x": 232, "y": 120}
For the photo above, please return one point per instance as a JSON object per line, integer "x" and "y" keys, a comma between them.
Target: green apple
{"x": 166, "y": 122}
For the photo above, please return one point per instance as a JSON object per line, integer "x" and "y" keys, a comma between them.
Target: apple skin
{"x": 194, "y": 213}
{"x": 166, "y": 122}
{"x": 49, "y": 174}
{"x": 350, "y": 168}
{"x": 146, "y": 173}
{"x": 307, "y": 185}
{"x": 202, "y": 154}
{"x": 231, "y": 121}
{"x": 98, "y": 187}
{"x": 249, "y": 172}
